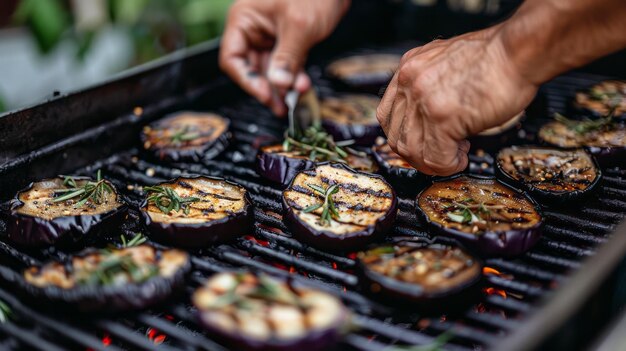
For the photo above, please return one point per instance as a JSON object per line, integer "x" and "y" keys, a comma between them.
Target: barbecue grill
{"x": 557, "y": 296}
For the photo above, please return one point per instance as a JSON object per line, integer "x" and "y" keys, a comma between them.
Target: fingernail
{"x": 280, "y": 76}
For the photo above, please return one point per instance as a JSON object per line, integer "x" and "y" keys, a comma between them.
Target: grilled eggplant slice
{"x": 425, "y": 274}
{"x": 335, "y": 208}
{"x": 484, "y": 214}
{"x": 280, "y": 166}
{"x": 603, "y": 138}
{"x": 210, "y": 210}
{"x": 108, "y": 280}
{"x": 257, "y": 312}
{"x": 64, "y": 211}
{"x": 351, "y": 117}
{"x": 547, "y": 173}
{"x": 504, "y": 134}
{"x": 400, "y": 174}
{"x": 187, "y": 136}
{"x": 367, "y": 73}
{"x": 602, "y": 99}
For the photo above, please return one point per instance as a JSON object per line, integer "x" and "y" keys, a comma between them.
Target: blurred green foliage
{"x": 156, "y": 27}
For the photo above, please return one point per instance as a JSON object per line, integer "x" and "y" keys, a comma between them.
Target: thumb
{"x": 287, "y": 58}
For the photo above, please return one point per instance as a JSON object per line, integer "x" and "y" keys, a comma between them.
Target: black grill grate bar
{"x": 523, "y": 270}
{"x": 615, "y": 181}
{"x": 508, "y": 304}
{"x": 588, "y": 224}
{"x": 604, "y": 215}
{"x": 552, "y": 260}
{"x": 28, "y": 338}
{"x": 516, "y": 286}
{"x": 492, "y": 320}
{"x": 563, "y": 247}
{"x": 122, "y": 332}
{"x": 568, "y": 234}
{"x": 179, "y": 332}
{"x": 360, "y": 342}
{"x": 463, "y": 331}
{"x": 613, "y": 192}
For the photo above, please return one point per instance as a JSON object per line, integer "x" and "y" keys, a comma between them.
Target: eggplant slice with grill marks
{"x": 108, "y": 280}
{"x": 547, "y": 173}
{"x": 333, "y": 207}
{"x": 257, "y": 312}
{"x": 367, "y": 72}
{"x": 487, "y": 216}
{"x": 280, "y": 166}
{"x": 602, "y": 99}
{"x": 421, "y": 273}
{"x": 187, "y": 136}
{"x": 194, "y": 212}
{"x": 604, "y": 138}
{"x": 400, "y": 174}
{"x": 64, "y": 211}
{"x": 351, "y": 117}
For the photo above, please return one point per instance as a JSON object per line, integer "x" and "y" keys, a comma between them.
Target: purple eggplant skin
{"x": 201, "y": 235}
{"x": 67, "y": 232}
{"x": 508, "y": 243}
{"x": 548, "y": 196}
{"x": 316, "y": 340}
{"x": 397, "y": 293}
{"x": 329, "y": 241}
{"x": 205, "y": 152}
{"x": 280, "y": 169}
{"x": 362, "y": 134}
{"x": 108, "y": 299}
{"x": 407, "y": 181}
{"x": 608, "y": 156}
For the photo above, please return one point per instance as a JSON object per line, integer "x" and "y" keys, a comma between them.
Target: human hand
{"x": 444, "y": 92}
{"x": 266, "y": 42}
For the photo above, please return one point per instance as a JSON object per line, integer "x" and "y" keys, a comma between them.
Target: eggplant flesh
{"x": 36, "y": 218}
{"x": 221, "y": 212}
{"x": 280, "y": 166}
{"x": 375, "y": 67}
{"x": 351, "y": 117}
{"x": 545, "y": 170}
{"x": 366, "y": 206}
{"x": 484, "y": 204}
{"x": 187, "y": 136}
{"x": 603, "y": 98}
{"x": 258, "y": 312}
{"x": 419, "y": 272}
{"x": 109, "y": 280}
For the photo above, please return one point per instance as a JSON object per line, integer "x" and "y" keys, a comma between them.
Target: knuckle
{"x": 435, "y": 109}
{"x": 405, "y": 75}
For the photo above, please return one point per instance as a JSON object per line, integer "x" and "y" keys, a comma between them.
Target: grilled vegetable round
{"x": 281, "y": 166}
{"x": 187, "y": 136}
{"x": 64, "y": 211}
{"x": 108, "y": 280}
{"x": 603, "y": 138}
{"x": 420, "y": 273}
{"x": 366, "y": 73}
{"x": 195, "y": 212}
{"x": 404, "y": 178}
{"x": 351, "y": 117}
{"x": 335, "y": 208}
{"x": 486, "y": 215}
{"x": 602, "y": 98}
{"x": 258, "y": 312}
{"x": 549, "y": 174}
{"x": 504, "y": 134}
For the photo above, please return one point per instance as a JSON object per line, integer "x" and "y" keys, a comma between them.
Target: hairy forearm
{"x": 547, "y": 37}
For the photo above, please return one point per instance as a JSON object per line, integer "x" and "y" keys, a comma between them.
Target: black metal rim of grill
{"x": 98, "y": 129}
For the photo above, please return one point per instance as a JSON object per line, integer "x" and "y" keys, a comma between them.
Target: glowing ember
{"x": 138, "y": 111}
{"x": 494, "y": 291}
{"x": 491, "y": 271}
{"x": 334, "y": 265}
{"x": 155, "y": 336}
{"x": 352, "y": 256}
{"x": 258, "y": 241}
{"x": 169, "y": 317}
{"x": 106, "y": 340}
{"x": 292, "y": 269}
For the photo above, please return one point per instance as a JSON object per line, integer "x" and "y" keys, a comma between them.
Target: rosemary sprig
{"x": 167, "y": 199}
{"x": 470, "y": 211}
{"x": 586, "y": 125}
{"x": 318, "y": 145}
{"x": 611, "y": 98}
{"x": 137, "y": 240}
{"x": 113, "y": 266}
{"x": 5, "y": 312}
{"x": 329, "y": 211}
{"x": 182, "y": 135}
{"x": 91, "y": 191}
{"x": 436, "y": 345}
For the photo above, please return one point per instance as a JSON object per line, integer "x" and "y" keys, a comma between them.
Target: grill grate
{"x": 514, "y": 286}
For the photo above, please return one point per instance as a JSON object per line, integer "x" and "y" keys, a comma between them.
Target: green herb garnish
{"x": 316, "y": 144}
{"x": 182, "y": 135}
{"x": 112, "y": 266}
{"x": 137, "y": 240}
{"x": 436, "y": 345}
{"x": 167, "y": 199}
{"x": 586, "y": 125}
{"x": 5, "y": 312}
{"x": 91, "y": 191}
{"x": 611, "y": 98}
{"x": 329, "y": 211}
{"x": 469, "y": 211}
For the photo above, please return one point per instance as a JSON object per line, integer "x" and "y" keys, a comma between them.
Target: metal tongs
{"x": 304, "y": 111}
